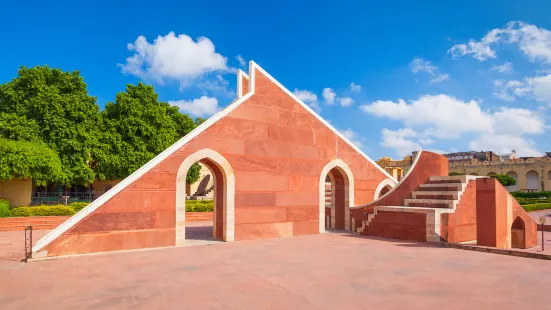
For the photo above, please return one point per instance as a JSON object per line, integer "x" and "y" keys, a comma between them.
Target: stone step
{"x": 442, "y": 187}
{"x": 436, "y": 194}
{"x": 431, "y": 203}
{"x": 452, "y": 179}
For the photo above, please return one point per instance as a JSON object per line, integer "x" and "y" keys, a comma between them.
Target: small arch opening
{"x": 518, "y": 234}
{"x": 205, "y": 212}
{"x": 385, "y": 190}
{"x": 336, "y": 196}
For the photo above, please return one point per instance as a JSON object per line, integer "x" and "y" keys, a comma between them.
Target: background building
{"x": 396, "y": 168}
{"x": 532, "y": 174}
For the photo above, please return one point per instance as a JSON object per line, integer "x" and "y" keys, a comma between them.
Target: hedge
{"x": 531, "y": 195}
{"x": 199, "y": 205}
{"x": 5, "y": 210}
{"x": 56, "y": 210}
{"x": 78, "y": 205}
{"x": 537, "y": 206}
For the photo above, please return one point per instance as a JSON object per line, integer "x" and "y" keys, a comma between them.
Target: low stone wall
{"x": 51, "y": 222}
{"x": 37, "y": 222}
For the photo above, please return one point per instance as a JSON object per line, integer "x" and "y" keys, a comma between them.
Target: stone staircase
{"x": 419, "y": 218}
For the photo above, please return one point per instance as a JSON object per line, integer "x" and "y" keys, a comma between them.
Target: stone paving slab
{"x": 328, "y": 271}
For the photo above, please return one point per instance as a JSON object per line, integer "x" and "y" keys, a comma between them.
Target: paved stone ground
{"x": 329, "y": 271}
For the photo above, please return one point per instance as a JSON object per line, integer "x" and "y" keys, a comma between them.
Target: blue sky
{"x": 417, "y": 81}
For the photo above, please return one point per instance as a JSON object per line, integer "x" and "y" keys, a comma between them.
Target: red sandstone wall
{"x": 491, "y": 211}
{"x": 277, "y": 150}
{"x": 429, "y": 164}
{"x": 244, "y": 85}
{"x": 461, "y": 225}
{"x": 399, "y": 225}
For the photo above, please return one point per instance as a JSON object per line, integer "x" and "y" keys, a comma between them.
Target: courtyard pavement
{"x": 328, "y": 271}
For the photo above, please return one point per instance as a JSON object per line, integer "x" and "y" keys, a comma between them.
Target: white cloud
{"x": 426, "y": 141}
{"x": 309, "y": 98}
{"x": 173, "y": 57}
{"x": 355, "y": 87}
{"x": 440, "y": 115}
{"x": 443, "y": 116}
{"x": 517, "y": 121}
{"x": 204, "y": 106}
{"x": 507, "y": 67}
{"x": 346, "y": 102}
{"x": 540, "y": 88}
{"x": 503, "y": 143}
{"x": 537, "y": 88}
{"x": 305, "y": 95}
{"x": 329, "y": 95}
{"x": 400, "y": 140}
{"x": 419, "y": 65}
{"x": 241, "y": 61}
{"x": 439, "y": 78}
{"x": 534, "y": 42}
{"x": 218, "y": 85}
{"x": 353, "y": 137}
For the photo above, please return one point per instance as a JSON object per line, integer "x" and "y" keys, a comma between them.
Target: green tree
{"x": 53, "y": 107}
{"x": 24, "y": 160}
{"x": 193, "y": 174}
{"x": 505, "y": 180}
{"x": 134, "y": 129}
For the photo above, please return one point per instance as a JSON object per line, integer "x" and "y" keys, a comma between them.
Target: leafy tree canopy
{"x": 193, "y": 174}
{"x": 134, "y": 129}
{"x": 24, "y": 160}
{"x": 505, "y": 180}
{"x": 53, "y": 107}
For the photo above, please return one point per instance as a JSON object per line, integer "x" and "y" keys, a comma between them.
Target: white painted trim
{"x": 229, "y": 193}
{"x": 349, "y": 192}
{"x": 71, "y": 222}
{"x": 382, "y": 185}
{"x": 413, "y": 164}
{"x": 254, "y": 65}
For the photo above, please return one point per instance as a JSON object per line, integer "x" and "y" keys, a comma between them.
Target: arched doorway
{"x": 224, "y": 190}
{"x": 341, "y": 193}
{"x": 514, "y": 175}
{"x": 474, "y": 173}
{"x": 533, "y": 180}
{"x": 518, "y": 234}
{"x": 385, "y": 190}
{"x": 491, "y": 174}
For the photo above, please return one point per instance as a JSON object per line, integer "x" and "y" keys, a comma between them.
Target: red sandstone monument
{"x": 270, "y": 155}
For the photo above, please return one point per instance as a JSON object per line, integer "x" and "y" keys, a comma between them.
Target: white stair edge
{"x": 455, "y": 193}
{"x": 452, "y": 203}
{"x": 428, "y": 185}
{"x": 463, "y": 178}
